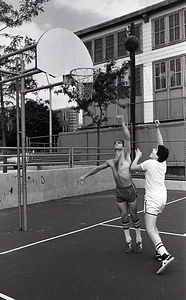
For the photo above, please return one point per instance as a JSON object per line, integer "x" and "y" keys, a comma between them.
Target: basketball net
{"x": 84, "y": 80}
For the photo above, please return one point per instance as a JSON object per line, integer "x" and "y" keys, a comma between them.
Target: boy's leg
{"x": 135, "y": 219}
{"x": 153, "y": 233}
{"x": 123, "y": 208}
{"x": 136, "y": 223}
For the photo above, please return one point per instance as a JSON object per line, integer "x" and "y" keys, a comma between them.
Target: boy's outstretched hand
{"x": 81, "y": 179}
{"x": 120, "y": 118}
{"x": 138, "y": 153}
{"x": 157, "y": 122}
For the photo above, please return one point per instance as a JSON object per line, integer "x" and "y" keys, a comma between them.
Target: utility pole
{"x": 131, "y": 45}
{"x": 3, "y": 126}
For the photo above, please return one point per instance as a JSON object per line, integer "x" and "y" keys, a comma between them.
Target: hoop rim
{"x": 79, "y": 74}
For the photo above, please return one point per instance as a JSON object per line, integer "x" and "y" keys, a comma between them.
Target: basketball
{"x": 131, "y": 43}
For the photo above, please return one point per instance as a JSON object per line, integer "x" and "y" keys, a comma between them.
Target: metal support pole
{"x": 184, "y": 120}
{"x": 50, "y": 113}
{"x": 132, "y": 100}
{"x": 50, "y": 118}
{"x": 3, "y": 126}
{"x": 23, "y": 140}
{"x": 18, "y": 153}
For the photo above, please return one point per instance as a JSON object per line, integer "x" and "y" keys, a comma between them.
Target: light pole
{"x": 50, "y": 114}
{"x": 131, "y": 44}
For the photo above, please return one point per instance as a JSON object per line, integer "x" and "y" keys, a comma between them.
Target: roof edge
{"x": 128, "y": 16}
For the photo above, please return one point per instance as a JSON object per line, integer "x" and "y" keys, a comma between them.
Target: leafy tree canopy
{"x": 37, "y": 119}
{"x": 27, "y": 9}
{"x": 109, "y": 87}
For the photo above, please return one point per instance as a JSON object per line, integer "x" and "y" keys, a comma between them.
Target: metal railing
{"x": 42, "y": 141}
{"x": 90, "y": 155}
{"x": 76, "y": 156}
{"x": 35, "y": 156}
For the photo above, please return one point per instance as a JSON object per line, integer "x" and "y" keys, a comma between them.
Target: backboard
{"x": 59, "y": 51}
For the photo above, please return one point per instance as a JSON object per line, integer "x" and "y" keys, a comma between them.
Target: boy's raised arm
{"x": 126, "y": 134}
{"x": 158, "y": 133}
{"x": 135, "y": 167}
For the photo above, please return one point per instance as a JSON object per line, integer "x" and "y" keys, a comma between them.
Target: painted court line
{"x": 162, "y": 232}
{"x": 6, "y": 297}
{"x": 80, "y": 230}
{"x": 49, "y": 239}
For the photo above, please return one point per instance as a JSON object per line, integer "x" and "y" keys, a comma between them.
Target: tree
{"x": 13, "y": 18}
{"x": 27, "y": 9}
{"x": 36, "y": 121}
{"x": 108, "y": 88}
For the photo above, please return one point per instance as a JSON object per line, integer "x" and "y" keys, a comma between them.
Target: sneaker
{"x": 138, "y": 248}
{"x": 158, "y": 256}
{"x": 128, "y": 247}
{"x": 166, "y": 260}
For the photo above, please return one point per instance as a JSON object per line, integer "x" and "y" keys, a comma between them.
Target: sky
{"x": 75, "y": 15}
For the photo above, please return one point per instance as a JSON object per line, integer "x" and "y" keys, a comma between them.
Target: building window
{"x": 98, "y": 50}
{"x": 169, "y": 29}
{"x": 174, "y": 27}
{"x": 159, "y": 32}
{"x": 185, "y": 71}
{"x": 65, "y": 128}
{"x": 160, "y": 75}
{"x": 185, "y": 22}
{"x": 137, "y": 33}
{"x": 175, "y": 72}
{"x": 89, "y": 47}
{"x": 65, "y": 116}
{"x": 138, "y": 80}
{"x": 110, "y": 47}
{"x": 120, "y": 42}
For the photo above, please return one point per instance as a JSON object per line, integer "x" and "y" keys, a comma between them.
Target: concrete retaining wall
{"x": 45, "y": 185}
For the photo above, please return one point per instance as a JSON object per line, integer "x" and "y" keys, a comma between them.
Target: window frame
{"x": 174, "y": 27}
{"x": 161, "y": 76}
{"x": 176, "y": 73}
{"x": 115, "y": 45}
{"x": 140, "y": 80}
{"x": 184, "y": 22}
{"x": 182, "y": 28}
{"x": 96, "y": 50}
{"x": 167, "y": 62}
{"x": 109, "y": 47}
{"x": 159, "y": 32}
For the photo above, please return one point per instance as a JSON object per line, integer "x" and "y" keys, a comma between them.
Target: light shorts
{"x": 153, "y": 207}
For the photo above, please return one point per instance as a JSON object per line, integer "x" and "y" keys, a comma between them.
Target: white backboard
{"x": 59, "y": 51}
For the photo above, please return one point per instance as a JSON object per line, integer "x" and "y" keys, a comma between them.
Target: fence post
{"x": 184, "y": 120}
{"x": 72, "y": 157}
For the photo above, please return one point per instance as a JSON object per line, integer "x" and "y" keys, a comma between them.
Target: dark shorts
{"x": 126, "y": 194}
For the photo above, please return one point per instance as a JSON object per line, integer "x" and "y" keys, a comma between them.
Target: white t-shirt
{"x": 154, "y": 179}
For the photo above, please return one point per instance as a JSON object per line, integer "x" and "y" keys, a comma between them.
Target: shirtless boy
{"x": 125, "y": 191}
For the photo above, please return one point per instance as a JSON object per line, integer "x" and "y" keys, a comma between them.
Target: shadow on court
{"x": 73, "y": 250}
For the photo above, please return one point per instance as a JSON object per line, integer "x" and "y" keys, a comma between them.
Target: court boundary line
{"x": 6, "y": 297}
{"x": 141, "y": 229}
{"x": 77, "y": 231}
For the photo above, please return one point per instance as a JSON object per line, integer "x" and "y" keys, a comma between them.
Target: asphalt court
{"x": 73, "y": 250}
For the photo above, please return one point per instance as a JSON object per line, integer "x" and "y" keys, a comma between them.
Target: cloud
{"x": 29, "y": 29}
{"x": 107, "y": 8}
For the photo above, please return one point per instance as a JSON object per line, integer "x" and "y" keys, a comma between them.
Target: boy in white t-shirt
{"x": 155, "y": 194}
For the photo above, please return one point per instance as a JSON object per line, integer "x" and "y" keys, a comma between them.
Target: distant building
{"x": 69, "y": 119}
{"x": 160, "y": 58}
{"x": 160, "y": 65}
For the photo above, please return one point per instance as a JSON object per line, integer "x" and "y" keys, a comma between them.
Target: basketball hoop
{"x": 84, "y": 80}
